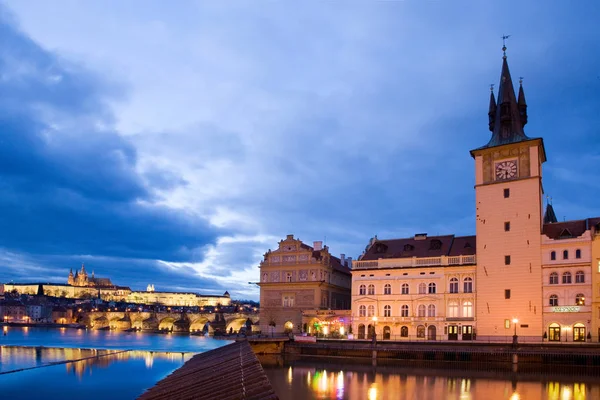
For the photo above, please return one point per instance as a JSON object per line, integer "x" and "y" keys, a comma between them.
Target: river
{"x": 129, "y": 363}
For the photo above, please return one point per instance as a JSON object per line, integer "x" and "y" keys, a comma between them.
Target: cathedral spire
{"x": 492, "y": 109}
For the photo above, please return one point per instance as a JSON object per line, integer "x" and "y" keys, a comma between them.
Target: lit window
{"x": 432, "y": 288}
{"x": 387, "y": 311}
{"x": 371, "y": 289}
{"x": 468, "y": 285}
{"x": 468, "y": 309}
{"x": 579, "y": 277}
{"x": 554, "y": 278}
{"x": 554, "y": 300}
{"x": 580, "y": 299}
{"x": 404, "y": 310}
{"x": 454, "y": 285}
{"x": 421, "y": 310}
{"x": 387, "y": 289}
{"x": 405, "y": 288}
{"x": 371, "y": 311}
{"x": 362, "y": 311}
{"x": 422, "y": 288}
{"x": 453, "y": 309}
{"x": 431, "y": 310}
{"x": 566, "y": 278}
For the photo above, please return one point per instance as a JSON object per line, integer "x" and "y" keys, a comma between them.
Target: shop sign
{"x": 566, "y": 309}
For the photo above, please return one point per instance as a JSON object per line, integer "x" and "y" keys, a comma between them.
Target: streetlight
{"x": 374, "y": 330}
{"x": 515, "y": 337}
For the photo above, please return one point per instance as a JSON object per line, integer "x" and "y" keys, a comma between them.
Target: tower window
{"x": 506, "y": 260}
{"x": 507, "y": 293}
{"x": 506, "y": 226}
{"x": 506, "y": 193}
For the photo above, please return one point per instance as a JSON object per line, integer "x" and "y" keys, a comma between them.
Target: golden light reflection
{"x": 515, "y": 396}
{"x": 340, "y": 385}
{"x": 289, "y": 375}
{"x": 566, "y": 393}
{"x": 579, "y": 391}
{"x": 308, "y": 380}
{"x": 372, "y": 394}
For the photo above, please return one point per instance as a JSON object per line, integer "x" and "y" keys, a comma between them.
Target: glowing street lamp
{"x": 374, "y": 330}
{"x": 515, "y": 337}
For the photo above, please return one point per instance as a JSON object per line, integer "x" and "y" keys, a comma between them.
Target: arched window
{"x": 566, "y": 277}
{"x": 405, "y": 288}
{"x": 421, "y": 331}
{"x": 421, "y": 310}
{"x": 387, "y": 333}
{"x": 467, "y": 309}
{"x": 422, "y": 288}
{"x": 361, "y": 331}
{"x": 453, "y": 309}
{"x": 371, "y": 311}
{"x": 553, "y": 300}
{"x": 432, "y": 288}
{"x": 371, "y": 289}
{"x": 554, "y": 278}
{"x": 565, "y": 254}
{"x": 404, "y": 331}
{"x": 552, "y": 255}
{"x": 578, "y": 253}
{"x": 387, "y": 311}
{"x": 362, "y": 290}
{"x": 431, "y": 310}
{"x": 404, "y": 310}
{"x": 468, "y": 285}
{"x": 579, "y": 277}
{"x": 387, "y": 289}
{"x": 580, "y": 299}
{"x": 454, "y": 285}
{"x": 362, "y": 311}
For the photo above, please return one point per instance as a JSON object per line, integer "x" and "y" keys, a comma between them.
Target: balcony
{"x": 415, "y": 262}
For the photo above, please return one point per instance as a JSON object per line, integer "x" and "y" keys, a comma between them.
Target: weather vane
{"x": 504, "y": 37}
{"x": 491, "y": 87}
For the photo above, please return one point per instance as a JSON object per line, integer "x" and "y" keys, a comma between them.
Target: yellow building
{"x": 415, "y": 289}
{"x": 297, "y": 277}
{"x": 595, "y": 268}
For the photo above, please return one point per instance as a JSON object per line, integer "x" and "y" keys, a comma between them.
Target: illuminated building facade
{"x": 297, "y": 277}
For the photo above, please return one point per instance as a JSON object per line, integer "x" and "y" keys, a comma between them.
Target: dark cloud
{"x": 68, "y": 181}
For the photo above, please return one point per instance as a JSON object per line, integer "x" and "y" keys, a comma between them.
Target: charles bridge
{"x": 167, "y": 321}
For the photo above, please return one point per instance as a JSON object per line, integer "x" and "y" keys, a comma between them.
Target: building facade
{"x": 297, "y": 277}
{"x": 419, "y": 288}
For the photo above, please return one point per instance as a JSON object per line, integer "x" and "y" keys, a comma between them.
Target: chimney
{"x": 343, "y": 259}
{"x": 349, "y": 262}
{"x": 318, "y": 245}
{"x": 420, "y": 236}
{"x": 290, "y": 237}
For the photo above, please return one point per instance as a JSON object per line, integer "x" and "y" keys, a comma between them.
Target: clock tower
{"x": 508, "y": 195}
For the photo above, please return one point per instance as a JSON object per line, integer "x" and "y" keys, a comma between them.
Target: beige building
{"x": 595, "y": 267}
{"x": 297, "y": 277}
{"x": 419, "y": 288}
{"x": 178, "y": 299}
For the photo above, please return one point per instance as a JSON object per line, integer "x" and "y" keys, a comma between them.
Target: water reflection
{"x": 309, "y": 378}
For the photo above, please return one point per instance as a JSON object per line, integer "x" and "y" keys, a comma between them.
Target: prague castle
{"x": 523, "y": 273}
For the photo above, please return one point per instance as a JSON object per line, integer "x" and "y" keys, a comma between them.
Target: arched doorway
{"x": 579, "y": 332}
{"x": 387, "y": 333}
{"x": 421, "y": 332}
{"x": 288, "y": 327}
{"x": 431, "y": 332}
{"x": 361, "y": 331}
{"x": 370, "y": 331}
{"x": 554, "y": 332}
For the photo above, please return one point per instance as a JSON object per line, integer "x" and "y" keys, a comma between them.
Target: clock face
{"x": 506, "y": 169}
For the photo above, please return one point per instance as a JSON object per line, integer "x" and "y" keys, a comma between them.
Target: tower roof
{"x": 549, "y": 215}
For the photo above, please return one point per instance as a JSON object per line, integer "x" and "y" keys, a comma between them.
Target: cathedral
{"x": 81, "y": 279}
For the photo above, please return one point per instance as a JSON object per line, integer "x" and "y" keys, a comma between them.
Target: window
{"x": 554, "y": 278}
{"x": 404, "y": 331}
{"x": 468, "y": 285}
{"x": 506, "y": 226}
{"x": 453, "y": 309}
{"x": 552, "y": 255}
{"x": 566, "y": 277}
{"x": 421, "y": 310}
{"x": 371, "y": 289}
{"x": 554, "y": 300}
{"x": 362, "y": 311}
{"x": 506, "y": 260}
{"x": 421, "y": 331}
{"x": 371, "y": 311}
{"x": 467, "y": 309}
{"x": 362, "y": 290}
{"x": 577, "y": 253}
{"x": 405, "y": 288}
{"x": 431, "y": 310}
{"x": 387, "y": 311}
{"x": 288, "y": 301}
{"x": 507, "y": 293}
{"x": 432, "y": 288}
{"x": 579, "y": 277}
{"x": 387, "y": 289}
{"x": 565, "y": 254}
{"x": 506, "y": 193}
{"x": 580, "y": 299}
{"x": 422, "y": 288}
{"x": 454, "y": 285}
{"x": 404, "y": 310}
{"x": 288, "y": 277}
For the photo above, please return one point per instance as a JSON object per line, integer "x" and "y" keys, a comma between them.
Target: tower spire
{"x": 522, "y": 103}
{"x": 492, "y": 109}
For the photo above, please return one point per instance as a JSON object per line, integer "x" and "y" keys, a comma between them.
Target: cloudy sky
{"x": 174, "y": 145}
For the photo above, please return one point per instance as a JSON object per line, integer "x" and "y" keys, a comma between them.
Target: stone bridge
{"x": 166, "y": 321}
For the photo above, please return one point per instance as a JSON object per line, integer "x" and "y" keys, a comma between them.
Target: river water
{"x": 75, "y": 364}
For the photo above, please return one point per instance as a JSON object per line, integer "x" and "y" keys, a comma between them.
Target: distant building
{"x": 297, "y": 277}
{"x": 13, "y": 311}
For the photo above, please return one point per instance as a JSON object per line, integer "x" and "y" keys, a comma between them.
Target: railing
{"x": 415, "y": 262}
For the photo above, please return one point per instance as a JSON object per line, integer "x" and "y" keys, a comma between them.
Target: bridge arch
{"x": 166, "y": 324}
{"x": 198, "y": 324}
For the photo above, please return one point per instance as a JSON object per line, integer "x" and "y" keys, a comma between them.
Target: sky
{"x": 175, "y": 145}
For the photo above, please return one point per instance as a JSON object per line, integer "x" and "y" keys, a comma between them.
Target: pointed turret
{"x": 492, "y": 109}
{"x": 549, "y": 215}
{"x": 522, "y": 103}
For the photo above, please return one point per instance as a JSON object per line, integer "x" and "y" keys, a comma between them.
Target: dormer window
{"x": 435, "y": 244}
{"x": 380, "y": 248}
{"x": 565, "y": 234}
{"x": 409, "y": 247}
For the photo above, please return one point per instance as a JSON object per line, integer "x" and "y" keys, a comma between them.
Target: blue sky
{"x": 175, "y": 145}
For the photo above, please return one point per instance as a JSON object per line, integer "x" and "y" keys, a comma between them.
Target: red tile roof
{"x": 569, "y": 229}
{"x": 231, "y": 372}
{"x": 425, "y": 246}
